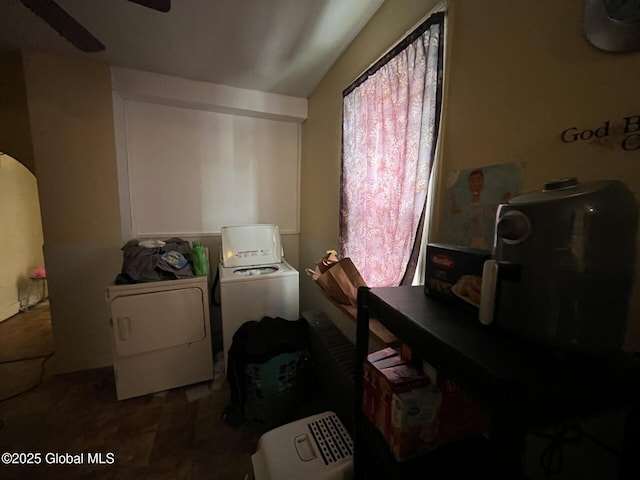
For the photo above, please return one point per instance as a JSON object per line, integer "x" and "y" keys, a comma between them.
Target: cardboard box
{"x": 383, "y": 378}
{"x": 414, "y": 422}
{"x": 384, "y": 358}
{"x": 406, "y": 353}
{"x": 454, "y": 273}
{"x": 417, "y": 410}
{"x": 382, "y": 354}
{"x": 460, "y": 416}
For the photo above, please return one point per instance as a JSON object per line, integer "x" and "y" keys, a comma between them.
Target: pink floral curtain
{"x": 389, "y": 128}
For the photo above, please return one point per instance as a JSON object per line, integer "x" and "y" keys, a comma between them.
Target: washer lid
{"x": 248, "y": 245}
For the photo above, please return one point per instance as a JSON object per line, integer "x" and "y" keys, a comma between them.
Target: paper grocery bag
{"x": 341, "y": 281}
{"x": 323, "y": 264}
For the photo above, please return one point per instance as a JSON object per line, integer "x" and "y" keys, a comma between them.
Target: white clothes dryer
{"x": 255, "y": 280}
{"x": 161, "y": 335}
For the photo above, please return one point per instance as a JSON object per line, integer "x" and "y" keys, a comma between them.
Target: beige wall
{"x": 73, "y": 143}
{"x": 15, "y": 133}
{"x": 509, "y": 100}
{"x": 516, "y": 78}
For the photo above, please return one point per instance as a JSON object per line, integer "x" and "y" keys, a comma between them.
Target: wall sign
{"x": 627, "y": 130}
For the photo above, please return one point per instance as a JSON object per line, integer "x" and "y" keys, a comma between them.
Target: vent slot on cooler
{"x": 332, "y": 439}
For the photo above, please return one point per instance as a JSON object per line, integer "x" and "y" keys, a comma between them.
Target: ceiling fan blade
{"x": 159, "y": 5}
{"x": 65, "y": 24}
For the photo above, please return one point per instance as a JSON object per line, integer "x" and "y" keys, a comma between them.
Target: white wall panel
{"x": 193, "y": 171}
{"x": 193, "y": 157}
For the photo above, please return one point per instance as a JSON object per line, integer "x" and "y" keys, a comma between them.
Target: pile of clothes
{"x": 155, "y": 260}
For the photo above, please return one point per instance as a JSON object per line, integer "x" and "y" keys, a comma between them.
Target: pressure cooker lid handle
{"x": 560, "y": 183}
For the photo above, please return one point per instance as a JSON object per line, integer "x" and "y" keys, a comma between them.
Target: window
{"x": 390, "y": 123}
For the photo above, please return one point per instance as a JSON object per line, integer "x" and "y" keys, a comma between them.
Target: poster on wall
{"x": 472, "y": 198}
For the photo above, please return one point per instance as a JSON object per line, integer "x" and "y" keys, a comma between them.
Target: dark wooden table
{"x": 523, "y": 386}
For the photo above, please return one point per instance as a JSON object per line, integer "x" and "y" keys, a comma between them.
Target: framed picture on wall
{"x": 472, "y": 198}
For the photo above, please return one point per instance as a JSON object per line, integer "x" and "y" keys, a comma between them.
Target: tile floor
{"x": 157, "y": 436}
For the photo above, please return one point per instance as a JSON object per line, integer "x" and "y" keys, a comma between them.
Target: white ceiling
{"x": 280, "y": 46}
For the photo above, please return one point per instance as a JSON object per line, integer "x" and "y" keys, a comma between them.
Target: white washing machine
{"x": 161, "y": 335}
{"x": 255, "y": 279}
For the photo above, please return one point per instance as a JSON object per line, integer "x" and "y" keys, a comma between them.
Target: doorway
{"x": 23, "y": 274}
{"x": 25, "y": 322}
